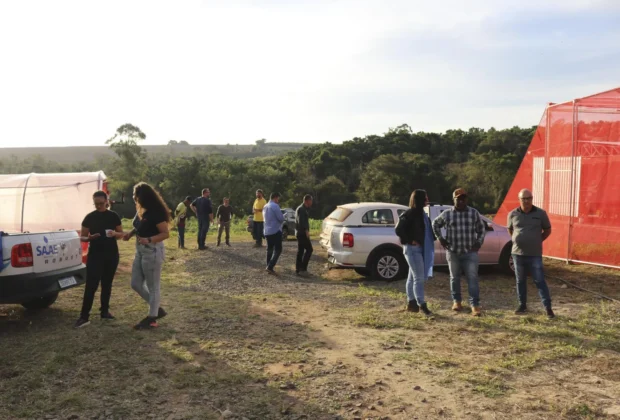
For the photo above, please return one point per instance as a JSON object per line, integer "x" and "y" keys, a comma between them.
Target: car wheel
{"x": 42, "y": 302}
{"x": 362, "y": 271}
{"x": 506, "y": 263}
{"x": 388, "y": 265}
{"x": 284, "y": 233}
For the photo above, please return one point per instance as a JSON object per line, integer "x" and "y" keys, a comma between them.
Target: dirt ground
{"x": 239, "y": 343}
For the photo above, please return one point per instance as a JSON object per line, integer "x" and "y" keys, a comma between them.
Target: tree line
{"x": 373, "y": 168}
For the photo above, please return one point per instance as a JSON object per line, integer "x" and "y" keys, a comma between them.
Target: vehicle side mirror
{"x": 121, "y": 201}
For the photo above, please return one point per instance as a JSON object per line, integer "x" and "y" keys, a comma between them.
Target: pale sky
{"x": 234, "y": 71}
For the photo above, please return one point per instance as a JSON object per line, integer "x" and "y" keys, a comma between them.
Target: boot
{"x": 521, "y": 309}
{"x": 412, "y": 306}
{"x": 424, "y": 309}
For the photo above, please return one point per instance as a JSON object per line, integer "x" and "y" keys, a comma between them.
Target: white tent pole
{"x": 24, "y": 200}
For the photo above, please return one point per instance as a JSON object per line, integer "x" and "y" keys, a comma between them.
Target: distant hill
{"x": 87, "y": 154}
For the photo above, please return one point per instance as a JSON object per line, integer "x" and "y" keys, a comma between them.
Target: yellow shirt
{"x": 259, "y": 203}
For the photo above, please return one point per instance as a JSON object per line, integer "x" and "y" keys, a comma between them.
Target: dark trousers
{"x": 181, "y": 231}
{"x": 304, "y": 252}
{"x": 224, "y": 227}
{"x": 274, "y": 249}
{"x": 100, "y": 268}
{"x": 257, "y": 232}
{"x": 533, "y": 266}
{"x": 203, "y": 229}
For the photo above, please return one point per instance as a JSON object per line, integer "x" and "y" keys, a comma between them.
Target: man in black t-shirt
{"x": 100, "y": 228}
{"x": 224, "y": 216}
{"x": 203, "y": 208}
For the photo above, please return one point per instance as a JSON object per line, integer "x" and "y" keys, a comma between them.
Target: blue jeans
{"x": 468, "y": 263}
{"x": 203, "y": 229}
{"x": 257, "y": 232}
{"x": 416, "y": 278}
{"x": 533, "y": 265}
{"x": 274, "y": 249}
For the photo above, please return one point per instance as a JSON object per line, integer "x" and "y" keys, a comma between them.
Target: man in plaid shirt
{"x": 464, "y": 237}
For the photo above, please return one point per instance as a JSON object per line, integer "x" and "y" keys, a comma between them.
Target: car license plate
{"x": 66, "y": 282}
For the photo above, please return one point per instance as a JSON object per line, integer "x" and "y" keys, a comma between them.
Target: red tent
{"x": 573, "y": 169}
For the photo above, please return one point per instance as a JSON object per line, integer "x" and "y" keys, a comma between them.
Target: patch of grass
{"x": 374, "y": 317}
{"x": 178, "y": 351}
{"x": 427, "y": 358}
{"x": 489, "y": 386}
{"x": 582, "y": 411}
{"x": 373, "y": 291}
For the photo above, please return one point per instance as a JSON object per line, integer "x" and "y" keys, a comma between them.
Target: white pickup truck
{"x": 42, "y": 254}
{"x": 37, "y": 266}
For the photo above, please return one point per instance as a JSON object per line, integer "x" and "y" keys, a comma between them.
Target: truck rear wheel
{"x": 42, "y": 302}
{"x": 389, "y": 265}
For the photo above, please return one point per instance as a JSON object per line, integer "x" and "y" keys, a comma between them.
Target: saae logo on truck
{"x": 45, "y": 250}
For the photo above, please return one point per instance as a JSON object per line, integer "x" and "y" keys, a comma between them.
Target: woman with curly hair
{"x": 151, "y": 229}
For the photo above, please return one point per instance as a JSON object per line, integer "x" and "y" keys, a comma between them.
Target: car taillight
{"x": 84, "y": 252}
{"x": 347, "y": 240}
{"x": 21, "y": 256}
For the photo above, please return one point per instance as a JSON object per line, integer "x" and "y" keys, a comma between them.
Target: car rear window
{"x": 340, "y": 214}
{"x": 379, "y": 217}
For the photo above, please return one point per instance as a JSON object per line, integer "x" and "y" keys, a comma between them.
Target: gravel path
{"x": 241, "y": 270}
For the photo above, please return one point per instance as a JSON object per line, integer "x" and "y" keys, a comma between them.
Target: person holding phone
{"x": 100, "y": 228}
{"x": 151, "y": 227}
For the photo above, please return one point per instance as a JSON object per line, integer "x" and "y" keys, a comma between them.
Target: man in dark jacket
{"x": 204, "y": 210}
{"x": 302, "y": 232}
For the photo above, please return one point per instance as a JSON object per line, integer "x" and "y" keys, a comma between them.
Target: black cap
{"x": 188, "y": 198}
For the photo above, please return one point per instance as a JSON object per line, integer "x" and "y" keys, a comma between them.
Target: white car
{"x": 37, "y": 266}
{"x": 361, "y": 236}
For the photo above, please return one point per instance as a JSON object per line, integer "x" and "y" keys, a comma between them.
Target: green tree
{"x": 392, "y": 178}
{"x": 130, "y": 166}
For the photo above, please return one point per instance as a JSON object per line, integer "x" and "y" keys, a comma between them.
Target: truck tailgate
{"x": 54, "y": 251}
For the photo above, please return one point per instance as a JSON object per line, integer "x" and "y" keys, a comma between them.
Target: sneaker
{"x": 457, "y": 307}
{"x": 476, "y": 311}
{"x": 81, "y": 323}
{"x": 146, "y": 324}
{"x": 107, "y": 316}
{"x": 412, "y": 306}
{"x": 424, "y": 309}
{"x": 227, "y": 244}
{"x": 521, "y": 309}
{"x": 161, "y": 313}
{"x": 271, "y": 271}
{"x": 550, "y": 313}
{"x": 218, "y": 244}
